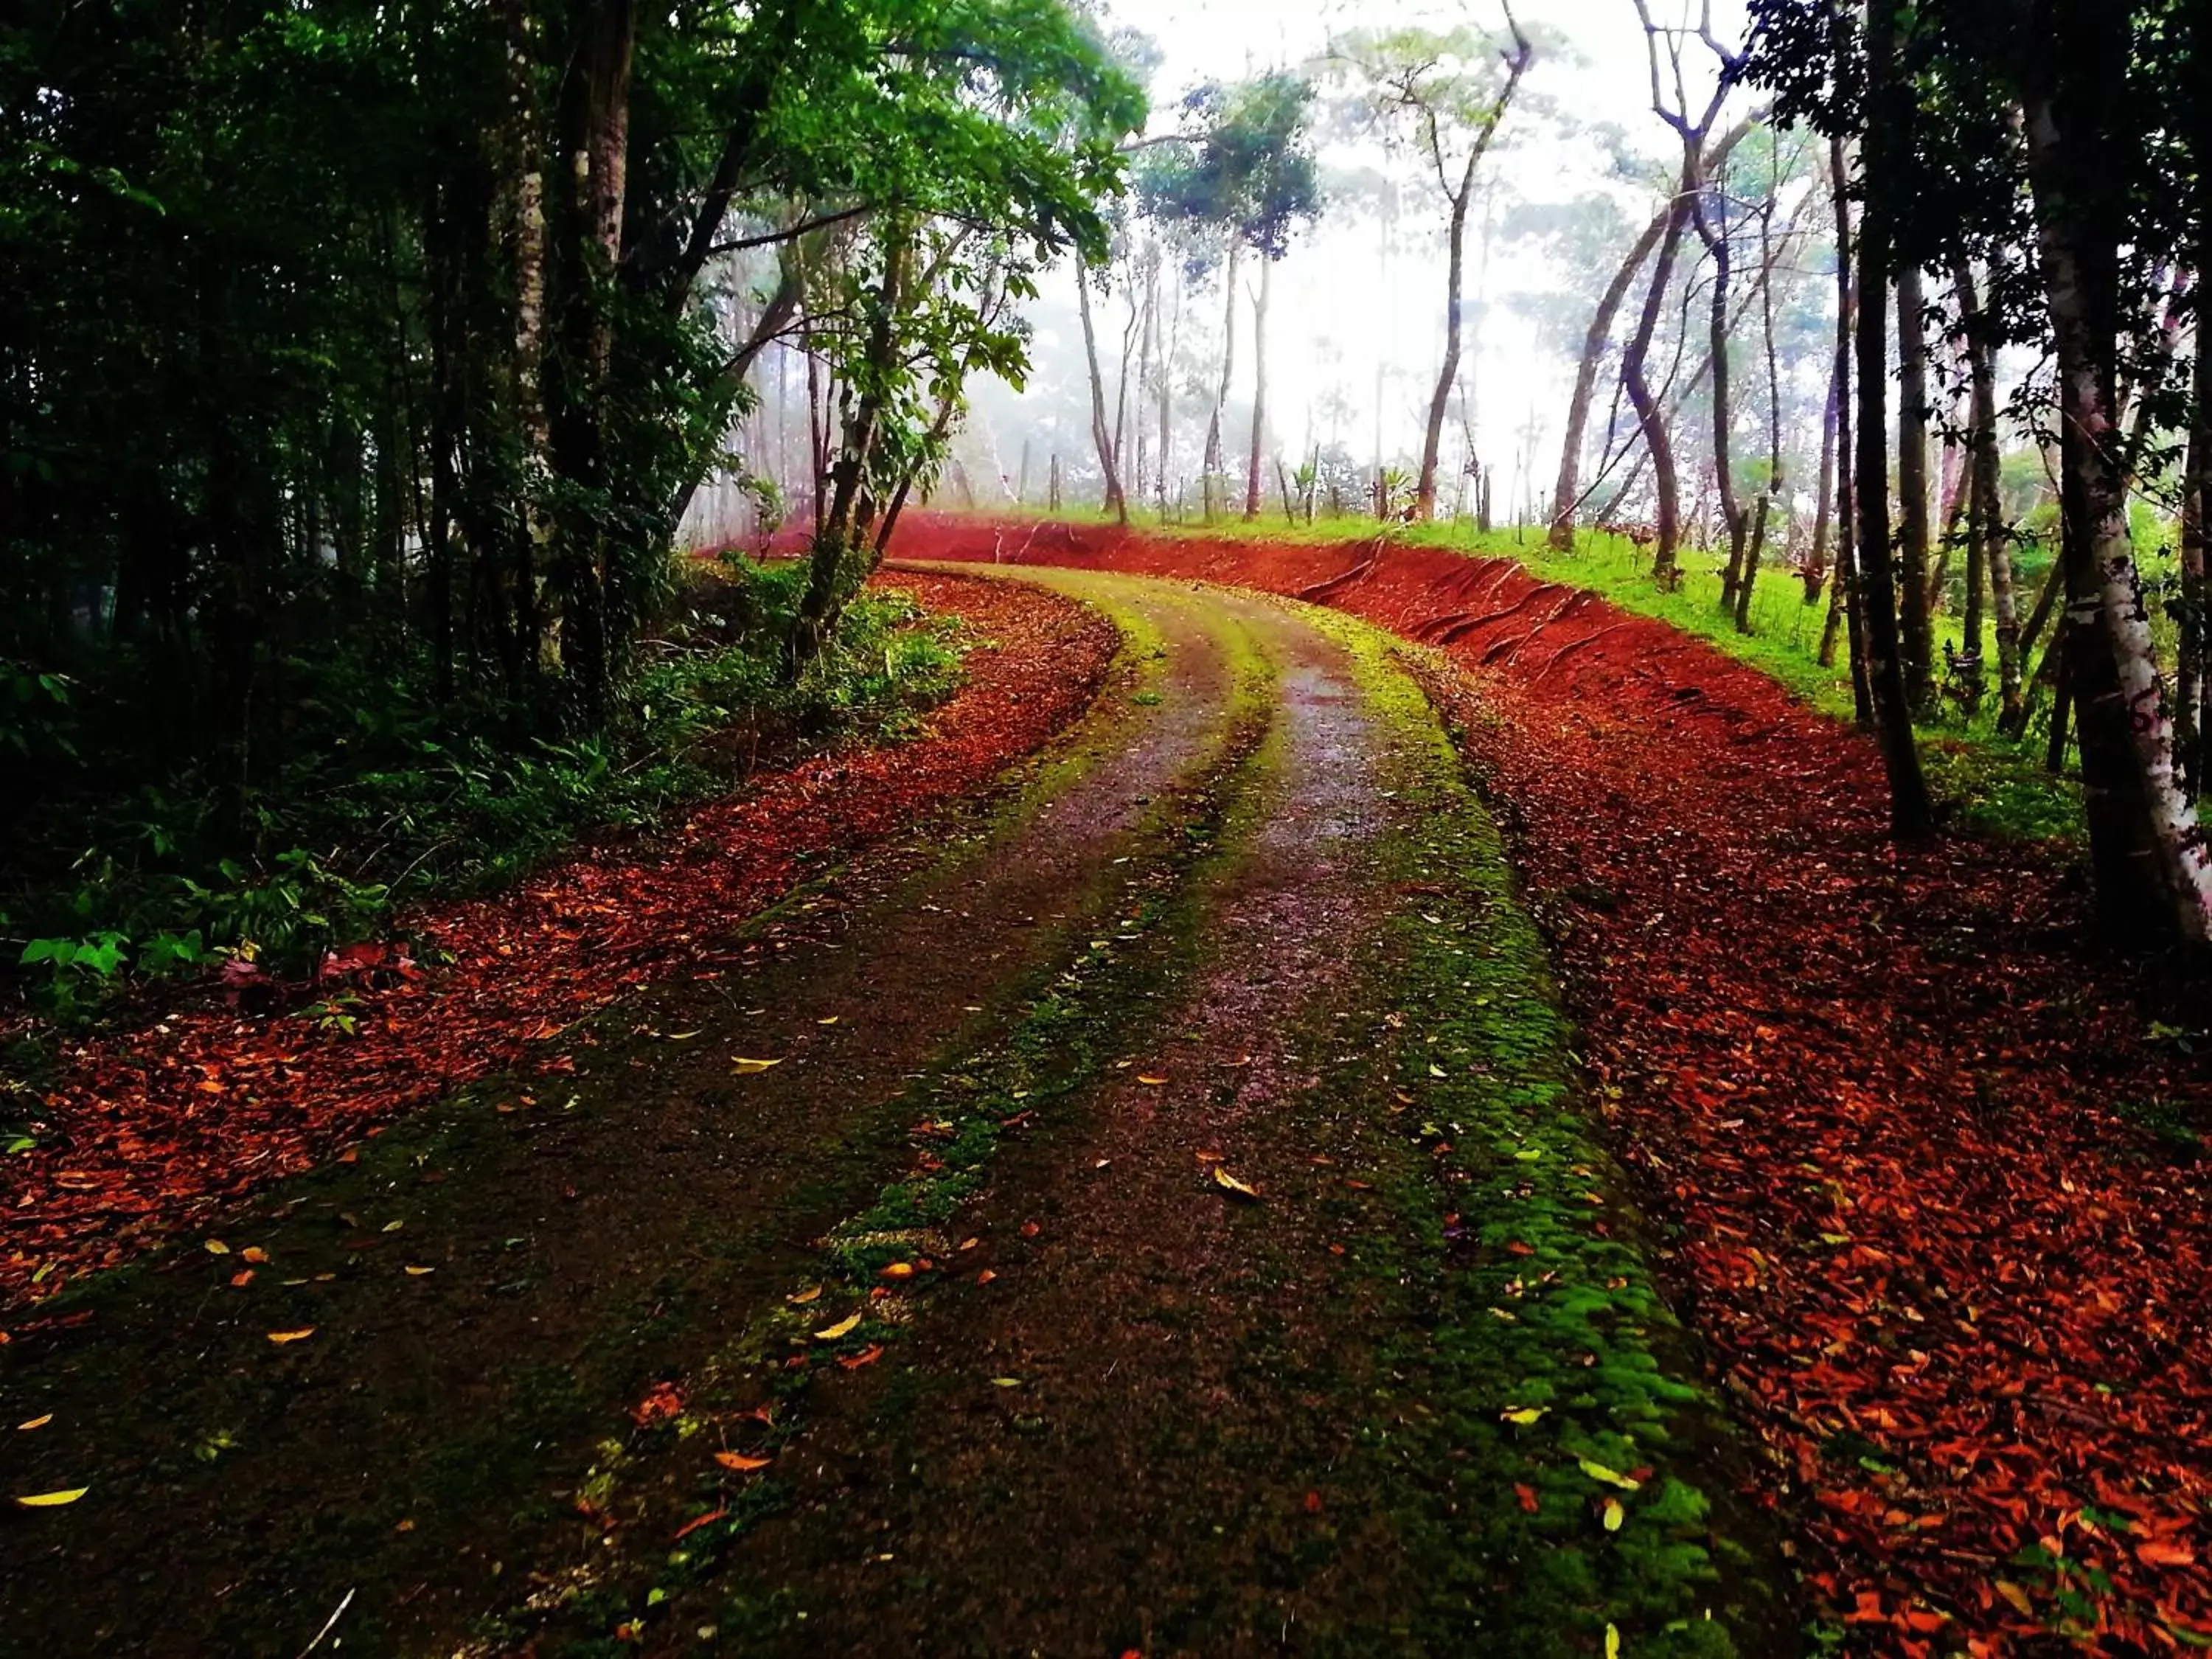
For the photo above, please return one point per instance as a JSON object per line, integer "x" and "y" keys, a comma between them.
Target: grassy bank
{"x": 1994, "y": 783}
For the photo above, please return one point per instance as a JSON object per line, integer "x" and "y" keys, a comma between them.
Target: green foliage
{"x": 345, "y": 420}
{"x": 1444, "y": 88}
{"x": 1246, "y": 171}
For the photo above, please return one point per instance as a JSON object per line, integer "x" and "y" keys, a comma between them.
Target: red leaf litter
{"x": 151, "y": 1132}
{"x": 1961, "y": 1297}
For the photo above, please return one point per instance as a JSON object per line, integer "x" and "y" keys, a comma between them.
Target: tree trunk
{"x": 2197, "y": 500}
{"x": 2195, "y": 512}
{"x": 1710, "y": 213}
{"x": 1566, "y": 501}
{"x": 1259, "y": 387}
{"x": 1214, "y": 473}
{"x": 1137, "y": 348}
{"x": 1986, "y": 542}
{"x": 1100, "y": 435}
{"x": 586, "y": 572}
{"x": 1823, "y": 500}
{"x": 1516, "y": 65}
{"x": 1772, "y": 493}
{"x": 2152, "y": 876}
{"x": 1874, "y": 597}
{"x": 1425, "y": 489}
{"x": 525, "y": 535}
{"x": 1650, "y": 417}
{"x": 1165, "y": 388}
{"x": 1843, "y": 594}
{"x": 1913, "y": 537}
{"x": 832, "y": 577}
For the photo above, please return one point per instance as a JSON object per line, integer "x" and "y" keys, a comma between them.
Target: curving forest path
{"x": 1155, "y": 1215}
{"x": 1165, "y": 1208}
{"x": 1932, "y": 1166}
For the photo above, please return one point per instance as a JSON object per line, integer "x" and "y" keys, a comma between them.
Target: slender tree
{"x": 1989, "y": 541}
{"x": 1884, "y": 168}
{"x": 2153, "y": 874}
{"x": 1451, "y": 93}
{"x": 1567, "y": 498}
{"x": 1240, "y": 179}
{"x": 1664, "y": 50}
{"x": 1101, "y": 432}
{"x": 1914, "y": 536}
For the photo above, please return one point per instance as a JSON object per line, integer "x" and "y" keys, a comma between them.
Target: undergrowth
{"x": 385, "y": 803}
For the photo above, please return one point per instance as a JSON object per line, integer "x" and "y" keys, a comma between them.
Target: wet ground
{"x": 1155, "y": 1217}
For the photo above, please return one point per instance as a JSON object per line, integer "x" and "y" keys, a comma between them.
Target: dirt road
{"x": 1155, "y": 1217}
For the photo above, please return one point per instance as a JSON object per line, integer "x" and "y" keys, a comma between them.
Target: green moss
{"x": 1544, "y": 1300}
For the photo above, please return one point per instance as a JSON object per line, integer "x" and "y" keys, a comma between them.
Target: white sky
{"x": 1336, "y": 307}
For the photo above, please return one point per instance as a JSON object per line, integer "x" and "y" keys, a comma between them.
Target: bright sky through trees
{"x": 1337, "y": 308}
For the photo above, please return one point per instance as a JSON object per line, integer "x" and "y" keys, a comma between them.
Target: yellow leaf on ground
{"x": 1150, "y": 1081}
{"x": 831, "y": 1020}
{"x": 36, "y": 1422}
{"x": 417, "y": 1272}
{"x": 1612, "y": 1642}
{"x": 1231, "y": 1185}
{"x": 254, "y": 1253}
{"x": 739, "y": 1462}
{"x": 681, "y": 1036}
{"x": 809, "y": 1294}
{"x": 843, "y": 1328}
{"x": 1611, "y": 1478}
{"x": 1436, "y": 1071}
{"x": 300, "y": 1335}
{"x": 216, "y": 1247}
{"x": 747, "y": 1067}
{"x": 1614, "y": 1515}
{"x": 2014, "y": 1594}
{"x": 1524, "y": 1415}
{"x": 1005, "y": 1381}
{"x": 899, "y": 1270}
{"x": 52, "y": 1500}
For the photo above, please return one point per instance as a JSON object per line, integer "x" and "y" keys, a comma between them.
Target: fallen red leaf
{"x": 697, "y": 1522}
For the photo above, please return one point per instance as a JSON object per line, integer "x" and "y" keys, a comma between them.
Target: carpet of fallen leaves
{"x": 1888, "y": 1099}
{"x": 149, "y": 1133}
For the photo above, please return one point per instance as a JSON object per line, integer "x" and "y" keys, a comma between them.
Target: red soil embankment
{"x": 147, "y": 1133}
{"x": 1894, "y": 1102}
